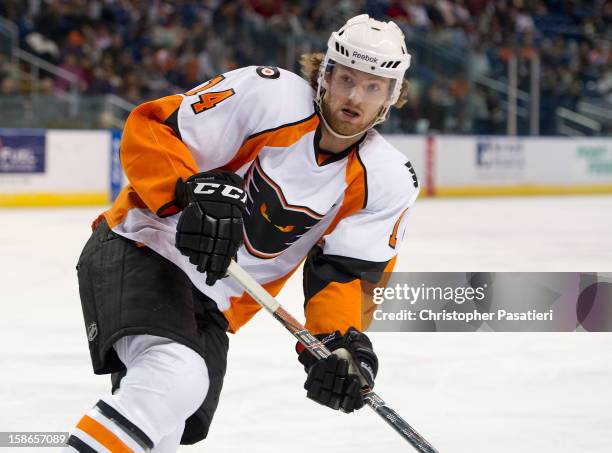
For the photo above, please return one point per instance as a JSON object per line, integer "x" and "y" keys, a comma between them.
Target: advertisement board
{"x": 68, "y": 167}
{"x": 54, "y": 167}
{"x": 22, "y": 152}
{"x": 500, "y": 165}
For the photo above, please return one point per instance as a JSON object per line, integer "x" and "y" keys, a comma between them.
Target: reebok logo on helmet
{"x": 365, "y": 57}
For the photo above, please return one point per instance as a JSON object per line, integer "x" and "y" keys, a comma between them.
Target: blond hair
{"x": 311, "y": 62}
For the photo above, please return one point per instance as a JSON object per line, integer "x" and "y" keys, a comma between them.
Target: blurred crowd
{"x": 476, "y": 38}
{"x": 141, "y": 49}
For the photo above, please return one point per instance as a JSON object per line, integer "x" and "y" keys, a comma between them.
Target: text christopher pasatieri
{"x": 437, "y": 294}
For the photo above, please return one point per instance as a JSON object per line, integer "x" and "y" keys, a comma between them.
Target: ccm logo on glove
{"x": 210, "y": 228}
{"x": 209, "y": 188}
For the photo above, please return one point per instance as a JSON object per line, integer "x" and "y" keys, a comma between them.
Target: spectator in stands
{"x": 121, "y": 47}
{"x": 7, "y": 87}
{"x": 73, "y": 67}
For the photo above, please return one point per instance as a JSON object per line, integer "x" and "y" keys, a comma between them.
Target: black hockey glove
{"x": 336, "y": 381}
{"x": 209, "y": 230}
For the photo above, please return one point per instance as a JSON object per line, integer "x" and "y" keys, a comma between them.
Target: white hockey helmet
{"x": 371, "y": 46}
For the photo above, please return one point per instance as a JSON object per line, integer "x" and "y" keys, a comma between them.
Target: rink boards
{"x": 81, "y": 167}
{"x": 500, "y": 165}
{"x": 54, "y": 167}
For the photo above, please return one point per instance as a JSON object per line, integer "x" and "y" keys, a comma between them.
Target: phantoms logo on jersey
{"x": 271, "y": 224}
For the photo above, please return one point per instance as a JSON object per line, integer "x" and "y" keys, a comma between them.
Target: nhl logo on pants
{"x": 92, "y": 331}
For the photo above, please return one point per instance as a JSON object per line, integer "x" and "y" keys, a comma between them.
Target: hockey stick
{"x": 263, "y": 298}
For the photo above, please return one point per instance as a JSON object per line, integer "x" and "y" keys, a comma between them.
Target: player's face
{"x": 353, "y": 99}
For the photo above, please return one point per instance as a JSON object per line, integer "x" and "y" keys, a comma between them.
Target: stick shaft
{"x": 318, "y": 349}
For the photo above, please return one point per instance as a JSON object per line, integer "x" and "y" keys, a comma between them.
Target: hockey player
{"x": 255, "y": 165}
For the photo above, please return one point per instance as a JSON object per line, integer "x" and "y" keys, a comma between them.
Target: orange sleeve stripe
{"x": 393, "y": 237}
{"x": 355, "y": 194}
{"x": 282, "y": 137}
{"x": 101, "y": 434}
{"x": 153, "y": 157}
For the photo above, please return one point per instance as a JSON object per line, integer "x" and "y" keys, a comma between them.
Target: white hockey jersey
{"x": 344, "y": 213}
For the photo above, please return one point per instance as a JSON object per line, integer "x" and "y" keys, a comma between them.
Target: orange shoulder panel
{"x": 153, "y": 157}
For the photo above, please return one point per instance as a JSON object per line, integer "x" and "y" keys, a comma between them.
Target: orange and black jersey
{"x": 342, "y": 213}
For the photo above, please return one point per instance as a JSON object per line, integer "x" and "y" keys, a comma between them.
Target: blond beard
{"x": 340, "y": 127}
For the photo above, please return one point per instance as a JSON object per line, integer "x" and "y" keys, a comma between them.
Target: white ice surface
{"x": 466, "y": 393}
